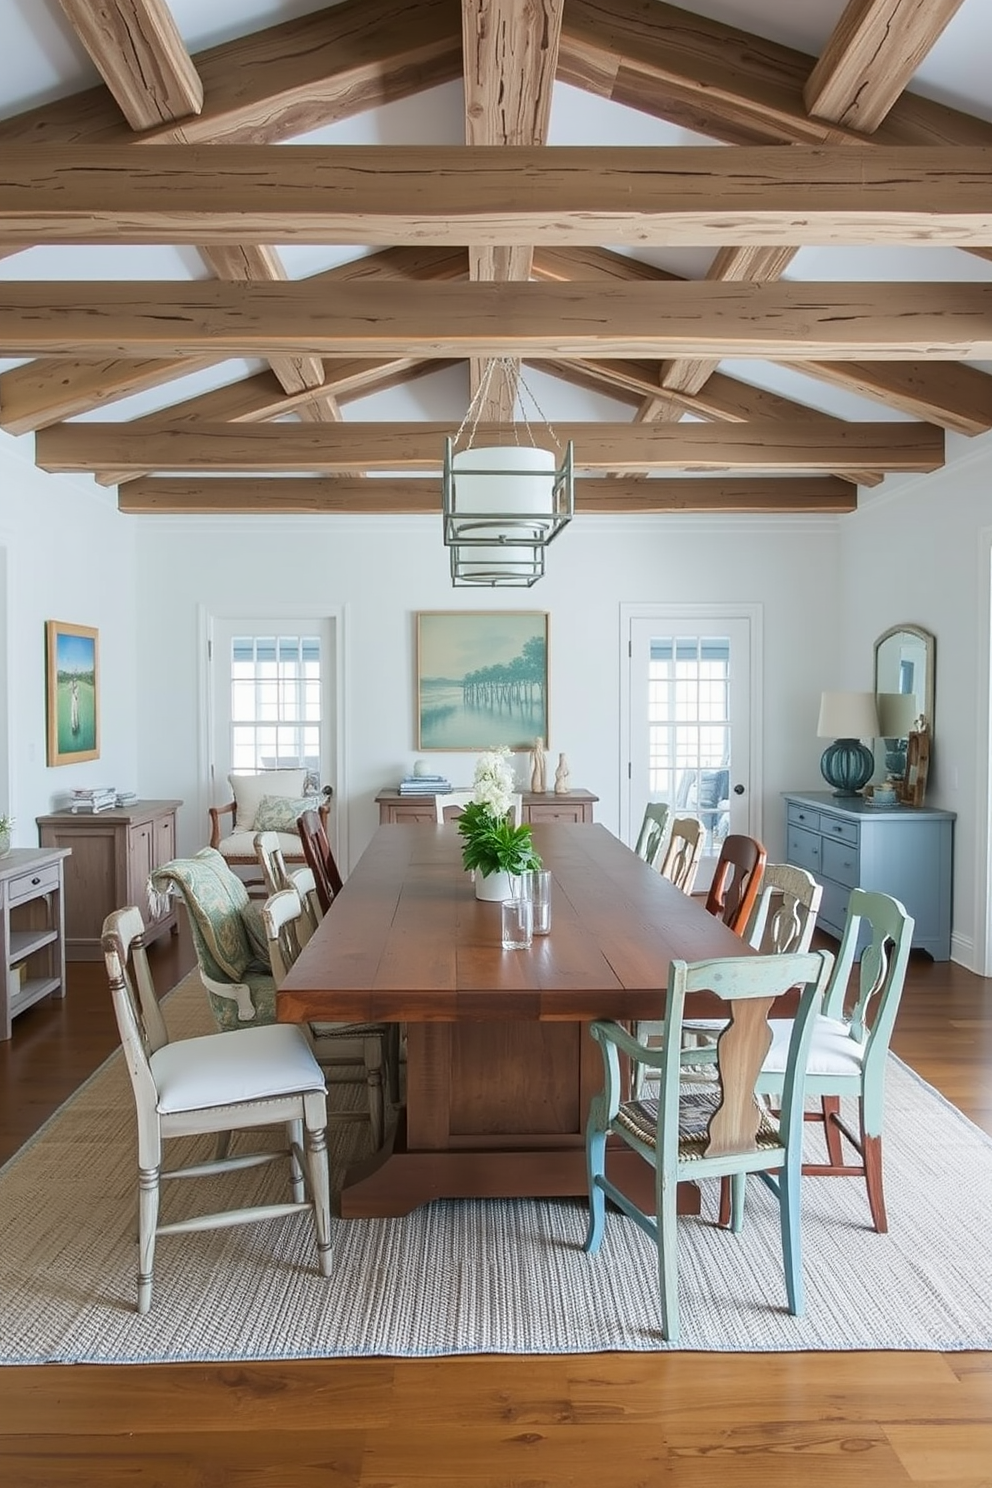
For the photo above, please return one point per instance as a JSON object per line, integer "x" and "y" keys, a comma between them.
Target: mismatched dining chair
{"x": 216, "y": 1083}
{"x": 848, "y": 1051}
{"x": 269, "y": 853}
{"x": 319, "y": 858}
{"x": 736, "y": 881}
{"x": 713, "y": 1131}
{"x": 651, "y": 838}
{"x": 451, "y": 804}
{"x": 364, "y": 1053}
{"x": 685, "y": 845}
{"x": 303, "y": 881}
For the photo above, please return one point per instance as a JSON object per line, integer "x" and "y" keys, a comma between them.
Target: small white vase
{"x": 4, "y": 844}
{"x": 494, "y": 886}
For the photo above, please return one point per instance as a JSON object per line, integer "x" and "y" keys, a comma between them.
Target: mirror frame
{"x": 930, "y": 643}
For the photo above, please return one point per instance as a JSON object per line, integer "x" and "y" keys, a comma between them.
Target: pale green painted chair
{"x": 849, "y": 1051}
{"x": 654, "y": 832}
{"x": 716, "y": 1130}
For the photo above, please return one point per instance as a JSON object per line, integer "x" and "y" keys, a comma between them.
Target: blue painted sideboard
{"x": 905, "y": 851}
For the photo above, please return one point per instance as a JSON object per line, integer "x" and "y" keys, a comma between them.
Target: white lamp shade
{"x": 509, "y": 481}
{"x": 848, "y": 715}
{"x": 897, "y": 714}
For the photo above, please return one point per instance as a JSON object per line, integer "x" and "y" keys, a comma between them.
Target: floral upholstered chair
{"x": 228, "y": 935}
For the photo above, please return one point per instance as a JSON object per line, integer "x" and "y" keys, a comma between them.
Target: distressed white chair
{"x": 368, "y": 1053}
{"x": 685, "y": 845}
{"x": 270, "y": 858}
{"x": 451, "y": 805}
{"x": 305, "y": 884}
{"x": 217, "y": 1083}
{"x": 709, "y": 1133}
{"x": 651, "y": 838}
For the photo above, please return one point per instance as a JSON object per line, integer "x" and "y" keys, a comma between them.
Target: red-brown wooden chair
{"x": 319, "y": 858}
{"x": 736, "y": 881}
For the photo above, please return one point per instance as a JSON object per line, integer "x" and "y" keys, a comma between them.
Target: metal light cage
{"x": 503, "y": 548}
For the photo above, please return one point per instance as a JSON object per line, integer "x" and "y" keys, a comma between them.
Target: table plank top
{"x": 406, "y": 939}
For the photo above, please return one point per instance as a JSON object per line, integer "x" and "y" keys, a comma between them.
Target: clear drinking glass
{"x": 536, "y": 886}
{"x": 518, "y": 923}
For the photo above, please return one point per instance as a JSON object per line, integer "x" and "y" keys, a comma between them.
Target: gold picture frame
{"x": 72, "y": 692}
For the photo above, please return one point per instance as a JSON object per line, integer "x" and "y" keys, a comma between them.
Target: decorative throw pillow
{"x": 280, "y": 813}
{"x": 249, "y": 790}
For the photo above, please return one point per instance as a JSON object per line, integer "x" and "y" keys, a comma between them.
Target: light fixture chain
{"x": 512, "y": 373}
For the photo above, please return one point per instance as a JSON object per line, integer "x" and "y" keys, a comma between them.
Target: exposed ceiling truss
{"x": 496, "y": 248}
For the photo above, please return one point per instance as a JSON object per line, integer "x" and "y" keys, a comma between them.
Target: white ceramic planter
{"x": 495, "y": 886}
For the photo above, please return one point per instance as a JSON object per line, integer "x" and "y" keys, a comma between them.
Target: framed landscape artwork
{"x": 482, "y": 679}
{"x": 73, "y": 695}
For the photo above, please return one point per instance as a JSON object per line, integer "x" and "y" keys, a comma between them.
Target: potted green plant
{"x": 6, "y": 826}
{"x": 493, "y": 847}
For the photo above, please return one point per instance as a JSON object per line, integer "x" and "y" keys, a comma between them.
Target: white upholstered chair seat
{"x": 242, "y": 845}
{"x": 251, "y": 1065}
{"x": 832, "y": 1050}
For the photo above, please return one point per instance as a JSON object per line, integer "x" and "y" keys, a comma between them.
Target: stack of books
{"x": 424, "y": 785}
{"x": 126, "y": 798}
{"x": 95, "y": 798}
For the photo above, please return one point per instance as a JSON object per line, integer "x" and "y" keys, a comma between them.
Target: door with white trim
{"x": 689, "y": 726}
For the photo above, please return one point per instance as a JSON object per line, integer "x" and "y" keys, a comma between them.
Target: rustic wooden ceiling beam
{"x": 953, "y": 395}
{"x": 510, "y": 53}
{"x": 256, "y": 399}
{"x": 874, "y": 50}
{"x": 725, "y": 82}
{"x": 784, "y": 321}
{"x": 45, "y": 391}
{"x": 804, "y": 447}
{"x": 457, "y": 194}
{"x": 139, "y": 52}
{"x": 163, "y": 495}
{"x": 722, "y": 399}
{"x": 279, "y": 82}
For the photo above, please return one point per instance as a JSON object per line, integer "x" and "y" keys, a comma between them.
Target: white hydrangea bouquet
{"x": 492, "y": 843}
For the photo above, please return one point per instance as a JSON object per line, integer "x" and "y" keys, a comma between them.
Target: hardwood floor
{"x": 613, "y": 1420}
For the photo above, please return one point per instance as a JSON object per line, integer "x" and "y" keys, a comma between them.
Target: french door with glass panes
{"x": 690, "y": 702}
{"x": 271, "y": 696}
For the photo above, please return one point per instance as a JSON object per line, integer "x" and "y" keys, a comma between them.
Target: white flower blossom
{"x": 493, "y": 784}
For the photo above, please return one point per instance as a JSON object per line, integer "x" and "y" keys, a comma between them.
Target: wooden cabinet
{"x": 113, "y": 853}
{"x": 903, "y": 851}
{"x": 32, "y": 955}
{"x": 576, "y": 806}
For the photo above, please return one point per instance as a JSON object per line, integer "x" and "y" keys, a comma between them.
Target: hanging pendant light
{"x": 502, "y": 505}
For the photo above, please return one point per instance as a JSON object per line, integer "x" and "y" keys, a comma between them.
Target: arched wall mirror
{"x": 905, "y": 659}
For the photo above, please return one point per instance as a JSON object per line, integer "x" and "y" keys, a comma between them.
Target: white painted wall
{"x": 69, "y": 555}
{"x": 919, "y": 551}
{"x": 380, "y": 572}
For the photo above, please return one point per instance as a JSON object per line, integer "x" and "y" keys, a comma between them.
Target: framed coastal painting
{"x": 482, "y": 679}
{"x": 73, "y": 693}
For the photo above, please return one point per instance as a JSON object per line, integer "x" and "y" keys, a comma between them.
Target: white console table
{"x": 904, "y": 851}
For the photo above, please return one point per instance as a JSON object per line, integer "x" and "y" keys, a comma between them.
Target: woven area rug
{"x": 478, "y": 1277}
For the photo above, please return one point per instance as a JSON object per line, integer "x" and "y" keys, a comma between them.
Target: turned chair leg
{"x": 872, "y": 1152}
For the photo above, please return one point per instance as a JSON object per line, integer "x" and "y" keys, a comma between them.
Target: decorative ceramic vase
{"x": 494, "y": 886}
{"x": 4, "y": 844}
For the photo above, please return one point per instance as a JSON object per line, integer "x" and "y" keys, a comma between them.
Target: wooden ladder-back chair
{"x": 685, "y": 845}
{"x": 319, "y": 858}
{"x": 736, "y": 881}
{"x": 213, "y": 1084}
{"x": 270, "y": 858}
{"x": 651, "y": 838}
{"x": 368, "y": 1052}
{"x": 715, "y": 1131}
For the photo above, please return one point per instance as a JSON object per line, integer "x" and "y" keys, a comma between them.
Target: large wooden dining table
{"x": 500, "y": 1064}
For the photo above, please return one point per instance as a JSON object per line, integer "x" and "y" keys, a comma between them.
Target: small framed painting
{"x": 482, "y": 679}
{"x": 73, "y": 693}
